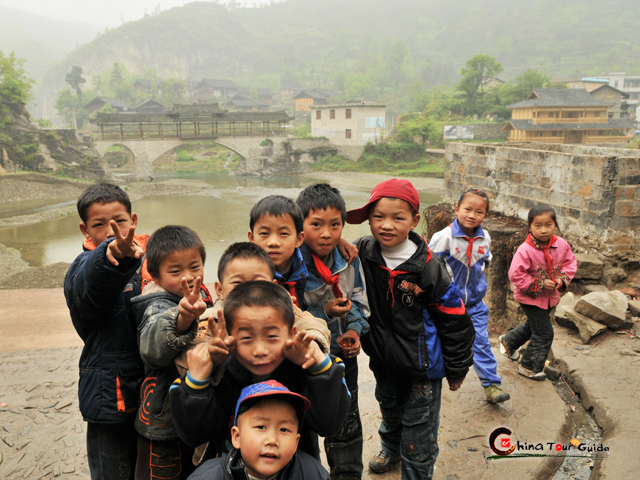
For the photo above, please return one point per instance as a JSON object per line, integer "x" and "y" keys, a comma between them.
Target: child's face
{"x": 242, "y": 270}
{"x": 471, "y": 212}
{"x": 97, "y": 228}
{"x": 322, "y": 230}
{"x": 543, "y": 227}
{"x": 391, "y": 220}
{"x": 177, "y": 265}
{"x": 267, "y": 436}
{"x": 260, "y": 334}
{"x": 277, "y": 236}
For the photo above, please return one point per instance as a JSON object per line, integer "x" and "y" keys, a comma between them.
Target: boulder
{"x": 587, "y": 327}
{"x": 615, "y": 275}
{"x": 596, "y": 288}
{"x": 589, "y": 266}
{"x": 568, "y": 301}
{"x": 609, "y": 308}
{"x": 634, "y": 307}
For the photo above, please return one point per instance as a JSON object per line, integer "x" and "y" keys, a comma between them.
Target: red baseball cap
{"x": 394, "y": 188}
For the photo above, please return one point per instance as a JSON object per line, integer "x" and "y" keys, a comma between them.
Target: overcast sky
{"x": 103, "y": 13}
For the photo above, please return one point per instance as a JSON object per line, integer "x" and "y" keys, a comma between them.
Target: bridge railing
{"x": 190, "y": 130}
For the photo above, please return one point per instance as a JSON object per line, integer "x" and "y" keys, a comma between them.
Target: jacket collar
{"x": 299, "y": 268}
{"x": 456, "y": 230}
{"x": 314, "y": 282}
{"x": 415, "y": 264}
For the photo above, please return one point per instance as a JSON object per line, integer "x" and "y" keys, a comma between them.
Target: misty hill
{"x": 42, "y": 41}
{"x": 310, "y": 40}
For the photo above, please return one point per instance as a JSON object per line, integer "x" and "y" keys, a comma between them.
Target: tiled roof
{"x": 560, "y": 97}
{"x": 219, "y": 83}
{"x": 114, "y": 102}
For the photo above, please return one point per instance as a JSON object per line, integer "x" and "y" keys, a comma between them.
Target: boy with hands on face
{"x": 259, "y": 316}
{"x": 167, "y": 312}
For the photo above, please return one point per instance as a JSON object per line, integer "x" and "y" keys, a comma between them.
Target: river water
{"x": 220, "y": 215}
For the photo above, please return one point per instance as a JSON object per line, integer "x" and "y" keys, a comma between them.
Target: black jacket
{"x": 419, "y": 325}
{"x": 301, "y": 466}
{"x": 206, "y": 415}
{"x": 98, "y": 296}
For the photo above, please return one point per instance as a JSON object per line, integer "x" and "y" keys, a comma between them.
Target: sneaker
{"x": 495, "y": 394}
{"x": 525, "y": 372}
{"x": 512, "y": 354}
{"x": 383, "y": 461}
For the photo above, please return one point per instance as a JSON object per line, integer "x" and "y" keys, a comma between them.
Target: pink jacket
{"x": 529, "y": 270}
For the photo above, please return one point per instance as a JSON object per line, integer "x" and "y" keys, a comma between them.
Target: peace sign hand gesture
{"x": 122, "y": 247}
{"x": 222, "y": 344}
{"x": 191, "y": 305}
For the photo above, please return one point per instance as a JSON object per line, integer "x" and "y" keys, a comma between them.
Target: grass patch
{"x": 368, "y": 163}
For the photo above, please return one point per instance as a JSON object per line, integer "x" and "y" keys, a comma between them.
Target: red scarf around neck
{"x": 535, "y": 243}
{"x": 327, "y": 277}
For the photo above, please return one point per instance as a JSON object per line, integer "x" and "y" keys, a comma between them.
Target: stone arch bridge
{"x": 148, "y": 136}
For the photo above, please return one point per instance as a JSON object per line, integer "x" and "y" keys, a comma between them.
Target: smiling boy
{"x": 98, "y": 287}
{"x": 167, "y": 314}
{"x": 335, "y": 291}
{"x": 259, "y": 316}
{"x": 419, "y": 333}
{"x": 265, "y": 437}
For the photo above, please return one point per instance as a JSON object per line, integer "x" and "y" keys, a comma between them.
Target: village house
{"x": 628, "y": 84}
{"x": 216, "y": 87}
{"x": 99, "y": 102}
{"x": 244, "y": 103}
{"x": 602, "y": 89}
{"x": 490, "y": 83}
{"x": 349, "y": 123}
{"x": 142, "y": 85}
{"x": 312, "y": 97}
{"x": 266, "y": 95}
{"x": 565, "y": 115}
{"x": 149, "y": 106}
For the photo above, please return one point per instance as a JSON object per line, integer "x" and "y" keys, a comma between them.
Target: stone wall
{"x": 595, "y": 190}
{"x": 489, "y": 131}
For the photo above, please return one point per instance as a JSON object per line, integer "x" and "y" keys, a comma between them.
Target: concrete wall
{"x": 595, "y": 190}
{"x": 489, "y": 131}
{"x": 334, "y": 128}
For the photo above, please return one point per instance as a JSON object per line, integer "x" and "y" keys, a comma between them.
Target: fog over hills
{"x": 310, "y": 40}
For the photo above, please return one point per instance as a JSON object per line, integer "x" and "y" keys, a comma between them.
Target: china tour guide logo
{"x": 503, "y": 446}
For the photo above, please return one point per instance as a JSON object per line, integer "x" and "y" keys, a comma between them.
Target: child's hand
{"x": 191, "y": 305}
{"x": 453, "y": 386}
{"x": 122, "y": 247}
{"x": 549, "y": 285}
{"x": 559, "y": 285}
{"x": 222, "y": 345}
{"x": 302, "y": 350}
{"x": 337, "y": 307}
{"x": 348, "y": 250}
{"x": 199, "y": 362}
{"x": 349, "y": 343}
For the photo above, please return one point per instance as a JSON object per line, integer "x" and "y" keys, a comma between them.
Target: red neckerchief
{"x": 535, "y": 243}
{"x": 470, "y": 248}
{"x": 141, "y": 241}
{"x": 392, "y": 278}
{"x": 208, "y": 299}
{"x": 327, "y": 277}
{"x": 291, "y": 286}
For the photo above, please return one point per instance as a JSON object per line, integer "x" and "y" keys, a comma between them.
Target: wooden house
{"x": 142, "y": 85}
{"x": 149, "y": 106}
{"x": 99, "y": 102}
{"x": 313, "y": 96}
{"x": 216, "y": 87}
{"x": 565, "y": 115}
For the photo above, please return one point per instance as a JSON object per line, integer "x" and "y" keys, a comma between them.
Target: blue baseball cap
{"x": 271, "y": 388}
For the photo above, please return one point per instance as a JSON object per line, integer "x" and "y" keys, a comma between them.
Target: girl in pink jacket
{"x": 542, "y": 267}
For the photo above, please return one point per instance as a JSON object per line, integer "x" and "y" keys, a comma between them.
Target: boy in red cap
{"x": 419, "y": 329}
{"x": 265, "y": 437}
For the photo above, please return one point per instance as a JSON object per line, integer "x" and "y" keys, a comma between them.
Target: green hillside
{"x": 311, "y": 40}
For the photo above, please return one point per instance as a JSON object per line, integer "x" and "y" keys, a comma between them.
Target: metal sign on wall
{"x": 458, "y": 132}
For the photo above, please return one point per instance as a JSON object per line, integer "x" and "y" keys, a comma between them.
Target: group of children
{"x": 243, "y": 384}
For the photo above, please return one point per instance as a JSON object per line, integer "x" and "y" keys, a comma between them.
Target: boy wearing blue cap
{"x": 265, "y": 437}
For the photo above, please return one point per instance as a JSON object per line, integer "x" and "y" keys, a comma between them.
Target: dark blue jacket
{"x": 98, "y": 296}
{"x": 298, "y": 277}
{"x": 301, "y": 467}
{"x": 419, "y": 325}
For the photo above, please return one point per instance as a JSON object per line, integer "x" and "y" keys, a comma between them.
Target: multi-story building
{"x": 349, "y": 123}
{"x": 565, "y": 115}
{"x": 628, "y": 84}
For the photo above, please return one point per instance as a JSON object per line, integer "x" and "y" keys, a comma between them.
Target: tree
{"x": 475, "y": 72}
{"x": 520, "y": 87}
{"x": 74, "y": 78}
{"x": 173, "y": 90}
{"x": 69, "y": 105}
{"x": 359, "y": 85}
{"x": 15, "y": 86}
{"x": 413, "y": 125}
